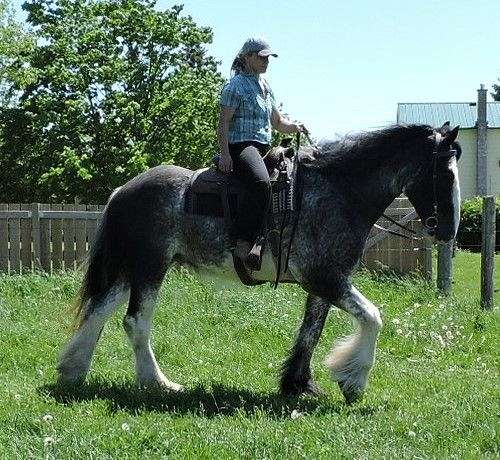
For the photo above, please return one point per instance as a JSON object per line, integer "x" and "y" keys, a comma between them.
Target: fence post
{"x": 35, "y": 229}
{"x": 488, "y": 252}
{"x": 445, "y": 266}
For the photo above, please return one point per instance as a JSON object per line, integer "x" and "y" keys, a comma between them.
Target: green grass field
{"x": 433, "y": 393}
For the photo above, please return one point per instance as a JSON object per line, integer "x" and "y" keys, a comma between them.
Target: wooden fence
{"x": 45, "y": 237}
{"x": 57, "y": 237}
{"x": 386, "y": 251}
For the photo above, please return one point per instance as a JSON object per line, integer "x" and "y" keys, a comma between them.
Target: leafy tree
{"x": 496, "y": 93}
{"x": 116, "y": 87}
{"x": 14, "y": 43}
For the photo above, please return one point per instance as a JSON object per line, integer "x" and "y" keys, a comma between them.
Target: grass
{"x": 432, "y": 394}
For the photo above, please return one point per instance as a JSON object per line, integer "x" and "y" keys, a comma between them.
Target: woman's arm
{"x": 281, "y": 124}
{"x": 225, "y": 116}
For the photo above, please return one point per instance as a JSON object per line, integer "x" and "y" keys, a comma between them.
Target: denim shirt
{"x": 252, "y": 119}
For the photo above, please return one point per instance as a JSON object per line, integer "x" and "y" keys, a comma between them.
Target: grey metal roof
{"x": 436, "y": 113}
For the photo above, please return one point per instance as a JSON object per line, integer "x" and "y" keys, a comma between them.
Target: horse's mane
{"x": 364, "y": 149}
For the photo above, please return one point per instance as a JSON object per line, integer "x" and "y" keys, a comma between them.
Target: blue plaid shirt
{"x": 252, "y": 119}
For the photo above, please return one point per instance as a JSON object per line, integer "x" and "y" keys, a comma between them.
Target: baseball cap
{"x": 256, "y": 45}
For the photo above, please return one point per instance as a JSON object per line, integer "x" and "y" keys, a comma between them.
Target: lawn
{"x": 433, "y": 393}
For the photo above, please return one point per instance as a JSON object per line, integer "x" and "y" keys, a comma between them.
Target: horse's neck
{"x": 369, "y": 192}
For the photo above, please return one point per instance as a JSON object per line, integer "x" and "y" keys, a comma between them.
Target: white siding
{"x": 494, "y": 161}
{"x": 467, "y": 163}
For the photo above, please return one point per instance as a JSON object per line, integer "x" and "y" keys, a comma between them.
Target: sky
{"x": 343, "y": 66}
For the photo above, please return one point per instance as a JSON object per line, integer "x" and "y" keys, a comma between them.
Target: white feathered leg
{"x": 74, "y": 361}
{"x": 137, "y": 324}
{"x": 352, "y": 358}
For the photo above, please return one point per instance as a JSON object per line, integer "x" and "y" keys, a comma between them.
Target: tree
{"x": 496, "y": 93}
{"x": 14, "y": 43}
{"x": 118, "y": 87}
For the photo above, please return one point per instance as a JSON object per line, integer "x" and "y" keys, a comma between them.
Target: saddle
{"x": 213, "y": 193}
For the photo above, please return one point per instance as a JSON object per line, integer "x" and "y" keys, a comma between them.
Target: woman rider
{"x": 248, "y": 112}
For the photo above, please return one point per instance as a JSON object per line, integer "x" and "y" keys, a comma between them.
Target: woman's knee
{"x": 263, "y": 185}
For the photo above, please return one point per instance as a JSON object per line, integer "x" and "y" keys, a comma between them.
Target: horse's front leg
{"x": 296, "y": 376}
{"x": 351, "y": 359}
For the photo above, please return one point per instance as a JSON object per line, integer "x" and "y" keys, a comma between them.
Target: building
{"x": 479, "y": 136}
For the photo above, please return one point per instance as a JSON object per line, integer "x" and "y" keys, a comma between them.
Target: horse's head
{"x": 435, "y": 191}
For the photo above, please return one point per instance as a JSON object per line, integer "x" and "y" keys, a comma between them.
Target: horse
{"x": 345, "y": 187}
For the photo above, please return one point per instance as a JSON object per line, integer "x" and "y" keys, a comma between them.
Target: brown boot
{"x": 254, "y": 258}
{"x": 249, "y": 254}
{"x": 242, "y": 249}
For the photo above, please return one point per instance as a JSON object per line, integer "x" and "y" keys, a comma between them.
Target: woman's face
{"x": 256, "y": 64}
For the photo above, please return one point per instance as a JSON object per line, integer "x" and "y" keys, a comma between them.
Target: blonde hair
{"x": 238, "y": 65}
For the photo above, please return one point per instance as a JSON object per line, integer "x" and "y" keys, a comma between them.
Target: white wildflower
{"x": 47, "y": 418}
{"x": 296, "y": 414}
{"x": 412, "y": 434}
{"x": 48, "y": 441}
{"x": 125, "y": 427}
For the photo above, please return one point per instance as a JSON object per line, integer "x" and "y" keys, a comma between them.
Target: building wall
{"x": 467, "y": 164}
{"x": 494, "y": 161}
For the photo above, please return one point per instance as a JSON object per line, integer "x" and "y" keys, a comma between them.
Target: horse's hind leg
{"x": 74, "y": 362}
{"x": 352, "y": 358}
{"x": 137, "y": 324}
{"x": 296, "y": 375}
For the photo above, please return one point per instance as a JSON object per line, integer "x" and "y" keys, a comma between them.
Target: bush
{"x": 469, "y": 232}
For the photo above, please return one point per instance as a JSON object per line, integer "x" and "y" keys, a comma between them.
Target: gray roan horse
{"x": 346, "y": 187}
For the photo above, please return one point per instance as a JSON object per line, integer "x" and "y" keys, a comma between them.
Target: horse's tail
{"x": 103, "y": 269}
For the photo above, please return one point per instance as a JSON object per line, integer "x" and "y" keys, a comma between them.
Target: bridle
{"x": 432, "y": 221}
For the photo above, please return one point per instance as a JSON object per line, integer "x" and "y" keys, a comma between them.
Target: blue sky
{"x": 344, "y": 65}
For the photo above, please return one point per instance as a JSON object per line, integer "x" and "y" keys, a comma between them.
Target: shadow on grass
{"x": 205, "y": 401}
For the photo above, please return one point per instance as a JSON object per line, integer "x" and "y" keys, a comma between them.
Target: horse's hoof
{"x": 70, "y": 376}
{"x": 163, "y": 384}
{"x": 308, "y": 387}
{"x": 351, "y": 395}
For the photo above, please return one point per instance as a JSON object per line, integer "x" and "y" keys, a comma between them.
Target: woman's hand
{"x": 225, "y": 163}
{"x": 300, "y": 128}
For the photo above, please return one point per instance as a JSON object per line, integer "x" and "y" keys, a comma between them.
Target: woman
{"x": 248, "y": 112}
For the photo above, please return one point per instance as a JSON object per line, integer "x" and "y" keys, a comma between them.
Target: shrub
{"x": 469, "y": 232}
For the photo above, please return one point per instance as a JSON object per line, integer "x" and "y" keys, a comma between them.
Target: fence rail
{"x": 45, "y": 237}
{"x": 52, "y": 237}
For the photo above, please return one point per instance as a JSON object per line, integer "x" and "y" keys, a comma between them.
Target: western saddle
{"x": 212, "y": 193}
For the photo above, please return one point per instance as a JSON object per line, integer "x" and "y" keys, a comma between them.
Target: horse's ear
{"x": 449, "y": 138}
{"x": 445, "y": 129}
{"x": 453, "y": 134}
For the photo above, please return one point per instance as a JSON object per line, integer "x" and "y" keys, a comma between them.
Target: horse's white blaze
{"x": 352, "y": 358}
{"x": 75, "y": 359}
{"x": 456, "y": 192}
{"x": 138, "y": 329}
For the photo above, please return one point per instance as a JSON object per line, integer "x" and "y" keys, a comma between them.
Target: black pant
{"x": 249, "y": 167}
